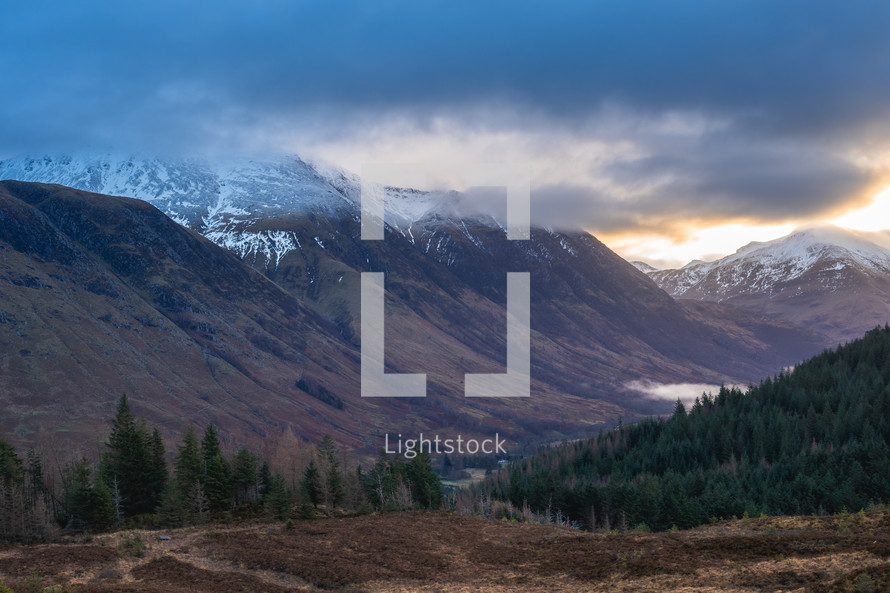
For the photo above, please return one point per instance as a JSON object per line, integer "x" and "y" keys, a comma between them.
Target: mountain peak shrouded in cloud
{"x": 208, "y": 194}
{"x": 646, "y": 117}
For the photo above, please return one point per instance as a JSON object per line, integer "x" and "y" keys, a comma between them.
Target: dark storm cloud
{"x": 738, "y": 179}
{"x": 187, "y": 76}
{"x": 801, "y": 65}
{"x": 709, "y": 178}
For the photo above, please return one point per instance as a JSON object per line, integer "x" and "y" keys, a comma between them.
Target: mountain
{"x": 598, "y": 324}
{"x": 643, "y": 267}
{"x": 102, "y": 295}
{"x": 832, "y": 280}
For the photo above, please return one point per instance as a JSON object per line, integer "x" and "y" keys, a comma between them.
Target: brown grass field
{"x": 447, "y": 553}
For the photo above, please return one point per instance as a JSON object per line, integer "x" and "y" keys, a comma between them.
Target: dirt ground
{"x": 448, "y": 553}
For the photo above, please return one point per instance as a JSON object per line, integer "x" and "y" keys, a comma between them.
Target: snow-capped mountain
{"x": 643, "y": 267}
{"x": 231, "y": 200}
{"x": 195, "y": 192}
{"x": 598, "y": 323}
{"x": 821, "y": 276}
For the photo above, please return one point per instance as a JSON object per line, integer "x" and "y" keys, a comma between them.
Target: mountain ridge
{"x": 834, "y": 280}
{"x": 598, "y": 324}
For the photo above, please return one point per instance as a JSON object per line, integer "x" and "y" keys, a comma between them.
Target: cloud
{"x": 685, "y": 392}
{"x": 730, "y": 177}
{"x": 792, "y": 66}
{"x": 634, "y": 113}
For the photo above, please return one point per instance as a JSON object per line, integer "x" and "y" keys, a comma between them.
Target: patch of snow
{"x": 759, "y": 266}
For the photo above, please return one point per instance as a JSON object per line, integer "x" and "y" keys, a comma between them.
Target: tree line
{"x": 135, "y": 482}
{"x": 814, "y": 440}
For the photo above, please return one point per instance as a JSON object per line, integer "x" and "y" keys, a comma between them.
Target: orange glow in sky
{"x": 711, "y": 242}
{"x": 874, "y": 217}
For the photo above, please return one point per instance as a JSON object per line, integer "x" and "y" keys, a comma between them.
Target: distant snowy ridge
{"x": 760, "y": 266}
{"x": 643, "y": 267}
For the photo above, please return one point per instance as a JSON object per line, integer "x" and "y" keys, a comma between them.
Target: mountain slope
{"x": 829, "y": 279}
{"x": 102, "y": 295}
{"x": 598, "y": 324}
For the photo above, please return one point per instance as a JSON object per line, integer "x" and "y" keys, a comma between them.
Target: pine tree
{"x": 305, "y": 507}
{"x": 24, "y": 511}
{"x": 426, "y": 489}
{"x": 210, "y": 447}
{"x": 216, "y": 473}
{"x": 172, "y": 511}
{"x": 101, "y": 511}
{"x": 245, "y": 477}
{"x": 218, "y": 483}
{"x": 277, "y": 501}
{"x": 157, "y": 473}
{"x": 311, "y": 484}
{"x": 332, "y": 490}
{"x": 87, "y": 504}
{"x": 10, "y": 464}
{"x": 128, "y": 460}
{"x": 265, "y": 479}
{"x": 381, "y": 481}
{"x": 188, "y": 462}
{"x": 12, "y": 495}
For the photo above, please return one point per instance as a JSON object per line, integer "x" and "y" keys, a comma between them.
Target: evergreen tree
{"x": 381, "y": 482}
{"x": 172, "y": 511}
{"x": 245, "y": 477}
{"x": 101, "y": 508}
{"x": 87, "y": 504}
{"x": 77, "y": 495}
{"x": 426, "y": 488}
{"x": 218, "y": 483}
{"x": 24, "y": 511}
{"x": 189, "y": 468}
{"x": 311, "y": 484}
{"x": 128, "y": 460}
{"x": 305, "y": 507}
{"x": 10, "y": 465}
{"x": 813, "y": 440}
{"x": 265, "y": 479}
{"x": 216, "y": 476}
{"x": 210, "y": 446}
{"x": 157, "y": 471}
{"x": 277, "y": 500}
{"x": 332, "y": 491}
{"x": 13, "y": 496}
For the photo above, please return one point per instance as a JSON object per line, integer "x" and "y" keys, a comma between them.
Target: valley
{"x": 190, "y": 330}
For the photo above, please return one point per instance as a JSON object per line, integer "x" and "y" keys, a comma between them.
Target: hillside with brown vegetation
{"x": 401, "y": 552}
{"x": 102, "y": 295}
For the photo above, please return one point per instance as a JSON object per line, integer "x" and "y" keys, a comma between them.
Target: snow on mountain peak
{"x": 202, "y": 193}
{"x": 222, "y": 197}
{"x": 760, "y": 267}
{"x": 193, "y": 191}
{"x": 808, "y": 244}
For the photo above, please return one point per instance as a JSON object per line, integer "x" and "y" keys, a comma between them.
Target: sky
{"x": 670, "y": 129}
